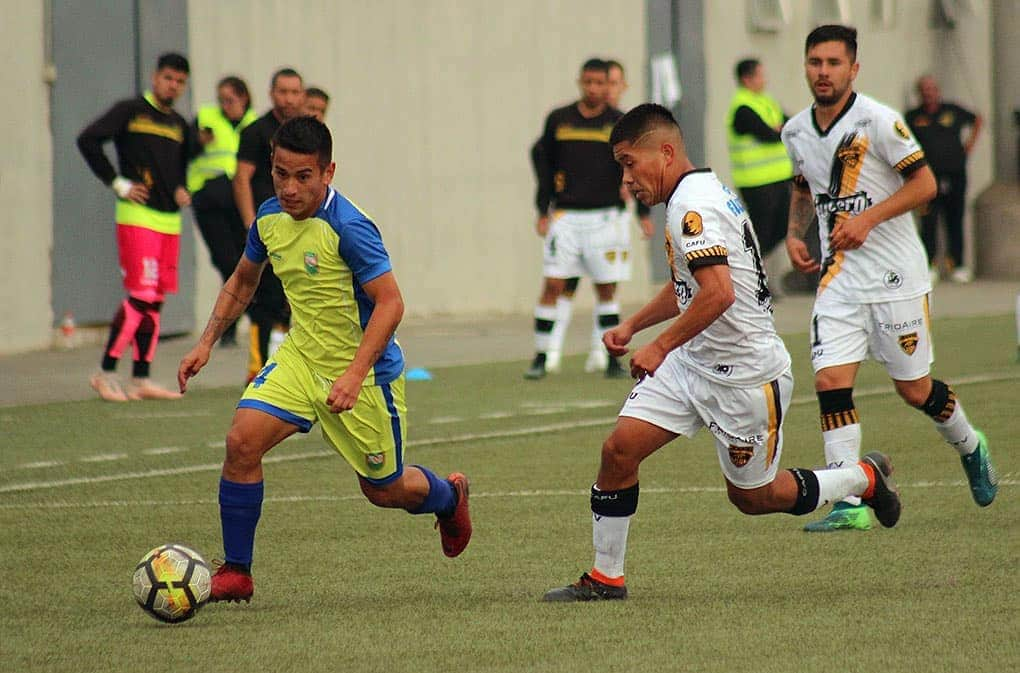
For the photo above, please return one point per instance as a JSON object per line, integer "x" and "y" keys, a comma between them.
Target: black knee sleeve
{"x": 614, "y": 503}
{"x": 941, "y": 402}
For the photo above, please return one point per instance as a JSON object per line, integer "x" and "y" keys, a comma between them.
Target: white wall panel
{"x": 434, "y": 107}
{"x": 25, "y": 179}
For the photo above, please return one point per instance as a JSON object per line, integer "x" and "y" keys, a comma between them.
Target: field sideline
{"x": 87, "y": 488}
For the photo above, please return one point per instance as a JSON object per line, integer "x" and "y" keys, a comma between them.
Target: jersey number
{"x": 751, "y": 245}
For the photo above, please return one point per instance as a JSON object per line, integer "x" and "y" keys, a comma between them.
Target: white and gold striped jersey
{"x": 859, "y": 161}
{"x": 706, "y": 224}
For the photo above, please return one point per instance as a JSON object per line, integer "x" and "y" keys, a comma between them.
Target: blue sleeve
{"x": 362, "y": 248}
{"x": 254, "y": 248}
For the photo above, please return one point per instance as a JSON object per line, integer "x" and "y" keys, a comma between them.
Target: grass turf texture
{"x": 341, "y": 585}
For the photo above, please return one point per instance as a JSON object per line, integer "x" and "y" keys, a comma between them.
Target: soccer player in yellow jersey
{"x": 339, "y": 364}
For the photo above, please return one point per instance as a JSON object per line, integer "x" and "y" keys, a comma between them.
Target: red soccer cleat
{"x": 455, "y": 530}
{"x": 231, "y": 583}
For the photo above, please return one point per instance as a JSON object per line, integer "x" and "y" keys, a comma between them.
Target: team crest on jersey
{"x": 740, "y": 455}
{"x": 947, "y": 118}
{"x": 311, "y": 263}
{"x": 610, "y": 256}
{"x": 850, "y": 155}
{"x": 901, "y": 130}
{"x": 692, "y": 224}
{"x": 908, "y": 342}
{"x": 892, "y": 280}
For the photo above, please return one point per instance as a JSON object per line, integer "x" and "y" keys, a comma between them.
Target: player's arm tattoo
{"x": 802, "y": 212}
{"x": 228, "y": 309}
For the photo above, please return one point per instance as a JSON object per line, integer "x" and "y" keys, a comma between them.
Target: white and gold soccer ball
{"x": 172, "y": 582}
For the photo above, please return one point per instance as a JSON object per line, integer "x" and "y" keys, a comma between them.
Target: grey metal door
{"x": 104, "y": 52}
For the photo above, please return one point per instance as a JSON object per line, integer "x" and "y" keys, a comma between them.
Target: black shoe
{"x": 614, "y": 370}
{"x": 537, "y": 369}
{"x": 585, "y": 589}
{"x": 885, "y": 499}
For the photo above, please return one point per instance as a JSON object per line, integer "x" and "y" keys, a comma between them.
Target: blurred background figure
{"x": 216, "y": 134}
{"x": 253, "y": 184}
{"x": 938, "y": 127}
{"x": 316, "y": 103}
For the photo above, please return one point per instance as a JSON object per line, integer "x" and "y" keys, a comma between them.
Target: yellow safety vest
{"x": 752, "y": 162}
{"x": 219, "y": 157}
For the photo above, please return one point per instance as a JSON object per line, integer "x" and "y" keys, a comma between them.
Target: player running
{"x": 719, "y": 365}
{"x": 339, "y": 365}
{"x": 858, "y": 168}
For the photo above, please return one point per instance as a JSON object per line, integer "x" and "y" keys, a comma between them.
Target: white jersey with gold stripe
{"x": 707, "y": 224}
{"x": 858, "y": 162}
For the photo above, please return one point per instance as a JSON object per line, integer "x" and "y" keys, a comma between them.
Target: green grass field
{"x": 86, "y": 488}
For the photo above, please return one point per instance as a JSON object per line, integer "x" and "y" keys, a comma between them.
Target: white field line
{"x": 455, "y": 439}
{"x": 161, "y": 414}
{"x": 538, "y": 493}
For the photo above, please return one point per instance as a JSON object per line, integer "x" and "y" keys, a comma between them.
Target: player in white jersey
{"x": 858, "y": 168}
{"x": 719, "y": 365}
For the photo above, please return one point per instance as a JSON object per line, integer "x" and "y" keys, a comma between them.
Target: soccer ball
{"x": 172, "y": 582}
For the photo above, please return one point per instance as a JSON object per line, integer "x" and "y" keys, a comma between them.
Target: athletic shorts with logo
{"x": 747, "y": 423}
{"x": 148, "y": 261}
{"x": 895, "y": 334}
{"x": 588, "y": 243}
{"x": 370, "y": 436}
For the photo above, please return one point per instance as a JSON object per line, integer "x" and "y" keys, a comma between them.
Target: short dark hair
{"x": 834, "y": 33}
{"x": 238, "y": 85}
{"x": 174, "y": 61}
{"x": 305, "y": 135}
{"x": 283, "y": 72}
{"x": 746, "y": 68}
{"x": 613, "y": 63}
{"x": 639, "y": 121}
{"x": 596, "y": 64}
{"x": 316, "y": 92}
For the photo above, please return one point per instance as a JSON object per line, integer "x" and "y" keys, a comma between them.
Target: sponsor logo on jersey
{"x": 892, "y": 280}
{"x": 853, "y": 203}
{"x": 908, "y": 342}
{"x": 740, "y": 455}
{"x": 692, "y": 224}
{"x": 311, "y": 263}
{"x": 610, "y": 256}
{"x": 901, "y": 130}
{"x": 862, "y": 123}
{"x": 375, "y": 461}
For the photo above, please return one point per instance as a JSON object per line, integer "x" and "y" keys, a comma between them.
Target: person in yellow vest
{"x": 760, "y": 167}
{"x": 217, "y": 133}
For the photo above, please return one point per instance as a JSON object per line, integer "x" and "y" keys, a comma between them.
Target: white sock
{"x": 958, "y": 431}
{"x": 609, "y": 535}
{"x": 837, "y": 484}
{"x": 542, "y": 339}
{"x": 843, "y": 449}
{"x": 564, "y": 310}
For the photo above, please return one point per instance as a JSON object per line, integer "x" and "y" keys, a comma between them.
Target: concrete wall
{"x": 434, "y": 107}
{"x": 891, "y": 58}
{"x": 25, "y": 182}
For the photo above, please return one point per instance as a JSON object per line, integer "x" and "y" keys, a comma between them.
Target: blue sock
{"x": 240, "y": 508}
{"x": 441, "y": 500}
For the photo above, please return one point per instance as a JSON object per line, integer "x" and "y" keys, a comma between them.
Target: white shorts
{"x": 747, "y": 422}
{"x": 586, "y": 243}
{"x": 897, "y": 335}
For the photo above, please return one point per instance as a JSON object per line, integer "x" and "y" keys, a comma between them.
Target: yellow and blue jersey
{"x": 324, "y": 262}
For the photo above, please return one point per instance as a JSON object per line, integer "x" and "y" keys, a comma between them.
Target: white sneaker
{"x": 597, "y": 361}
{"x": 962, "y": 274}
{"x": 553, "y": 359}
